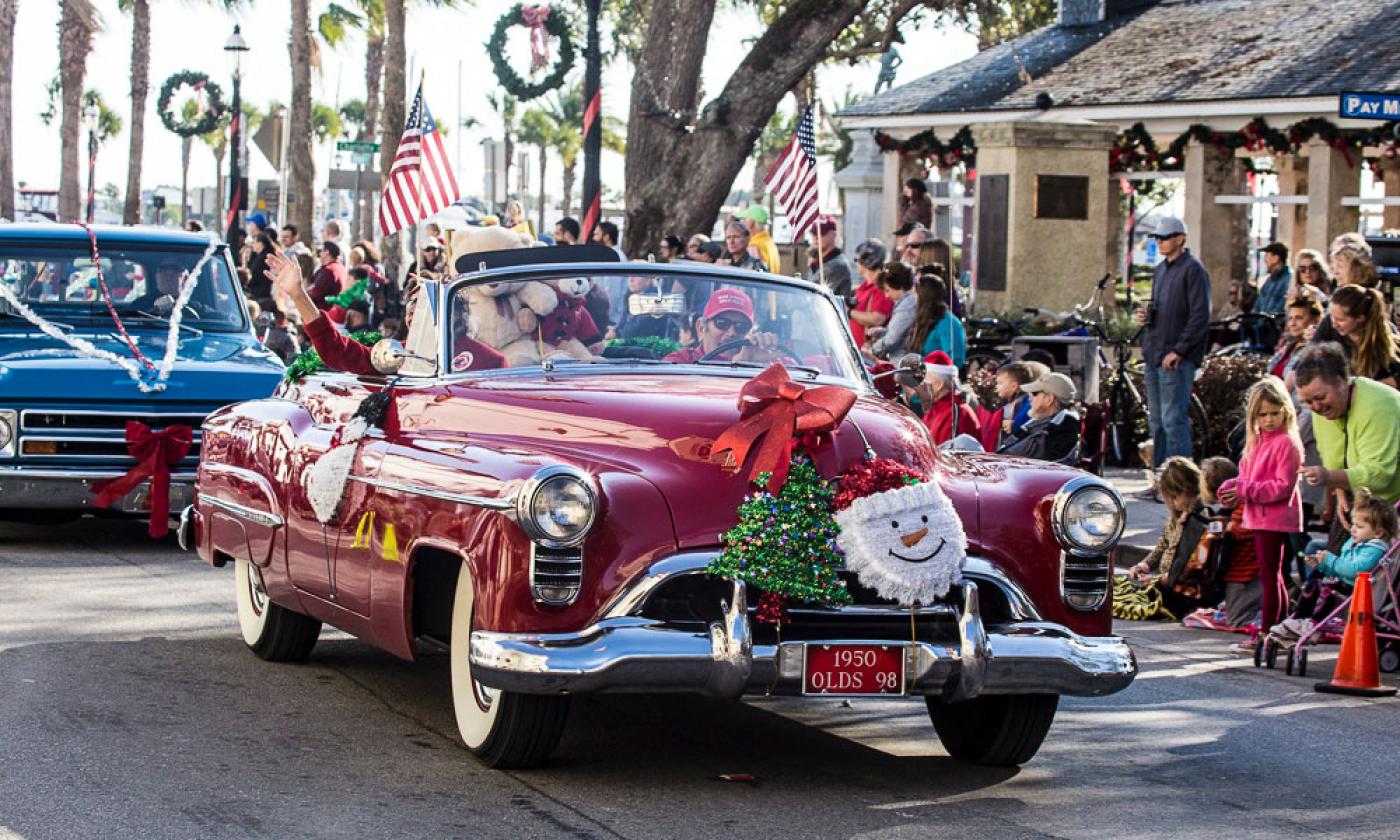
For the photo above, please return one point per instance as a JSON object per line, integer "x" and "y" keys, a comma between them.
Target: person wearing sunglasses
{"x": 1313, "y": 278}
{"x": 728, "y": 316}
{"x": 1175, "y": 340}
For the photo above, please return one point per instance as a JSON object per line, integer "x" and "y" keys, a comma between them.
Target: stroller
{"x": 1385, "y": 584}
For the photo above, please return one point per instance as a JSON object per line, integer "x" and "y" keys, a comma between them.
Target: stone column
{"x": 1211, "y": 227}
{"x": 893, "y": 182}
{"x": 1292, "y": 218}
{"x": 1114, "y": 226}
{"x": 1044, "y": 186}
{"x": 862, "y": 191}
{"x": 1330, "y": 179}
{"x": 1390, "y": 174}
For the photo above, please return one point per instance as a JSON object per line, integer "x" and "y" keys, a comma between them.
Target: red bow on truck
{"x": 777, "y": 409}
{"x": 155, "y": 453}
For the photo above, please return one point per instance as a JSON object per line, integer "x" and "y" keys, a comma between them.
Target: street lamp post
{"x": 90, "y": 118}
{"x": 238, "y": 190}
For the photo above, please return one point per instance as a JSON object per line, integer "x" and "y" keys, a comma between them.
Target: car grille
{"x": 555, "y": 573}
{"x": 1084, "y": 581}
{"x": 93, "y": 436}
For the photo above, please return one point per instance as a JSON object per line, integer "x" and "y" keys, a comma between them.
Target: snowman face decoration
{"x": 907, "y": 544}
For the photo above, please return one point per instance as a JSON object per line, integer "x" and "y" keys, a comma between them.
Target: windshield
{"x": 653, "y": 319}
{"x": 60, "y": 284}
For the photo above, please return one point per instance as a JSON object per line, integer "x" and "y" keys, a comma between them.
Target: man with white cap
{"x": 1174, "y": 344}
{"x": 1052, "y": 433}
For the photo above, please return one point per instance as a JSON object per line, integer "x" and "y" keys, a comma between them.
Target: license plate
{"x": 870, "y": 670}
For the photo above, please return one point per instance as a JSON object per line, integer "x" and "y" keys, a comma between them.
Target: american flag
{"x": 793, "y": 178}
{"x": 420, "y": 182}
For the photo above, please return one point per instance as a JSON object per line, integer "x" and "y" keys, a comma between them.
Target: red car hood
{"x": 661, "y": 428}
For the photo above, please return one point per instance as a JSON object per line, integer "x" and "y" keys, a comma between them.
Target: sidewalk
{"x": 1145, "y": 519}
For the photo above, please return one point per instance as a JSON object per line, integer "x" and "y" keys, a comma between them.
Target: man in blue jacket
{"x": 1175, "y": 341}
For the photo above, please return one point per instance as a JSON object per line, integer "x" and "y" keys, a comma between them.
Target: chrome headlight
{"x": 556, "y": 506}
{"x": 9, "y": 421}
{"x": 1087, "y": 516}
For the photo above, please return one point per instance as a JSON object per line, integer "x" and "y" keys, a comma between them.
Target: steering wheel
{"x": 736, "y": 343}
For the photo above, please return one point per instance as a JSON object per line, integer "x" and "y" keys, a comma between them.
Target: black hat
{"x": 1278, "y": 249}
{"x": 905, "y": 229}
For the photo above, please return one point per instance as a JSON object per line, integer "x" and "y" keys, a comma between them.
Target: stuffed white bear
{"x": 907, "y": 544}
{"x": 504, "y": 315}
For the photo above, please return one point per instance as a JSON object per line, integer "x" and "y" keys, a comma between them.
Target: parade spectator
{"x": 935, "y": 326}
{"x": 566, "y": 231}
{"x": 1360, "y": 317}
{"x": 1177, "y": 321}
{"x": 276, "y": 334}
{"x": 1373, "y": 529}
{"x": 671, "y": 248}
{"x": 872, "y": 308}
{"x": 1241, "y": 567}
{"x": 254, "y": 224}
{"x": 259, "y": 288}
{"x": 432, "y": 260}
{"x": 290, "y": 239}
{"x": 515, "y": 218}
{"x": 946, "y": 413}
{"x": 357, "y": 316}
{"x": 1340, "y": 254}
{"x": 1267, "y": 487}
{"x": 913, "y": 244}
{"x": 831, "y": 268}
{"x": 1170, "y": 563}
{"x": 935, "y": 255}
{"x": 606, "y": 233}
{"x": 896, "y": 281}
{"x": 736, "y": 249}
{"x": 1356, "y": 422}
{"x": 330, "y": 232}
{"x": 1052, "y": 433}
{"x": 1273, "y": 294}
{"x": 914, "y": 204}
{"x": 1313, "y": 277}
{"x": 1303, "y": 313}
{"x": 754, "y": 218}
{"x": 194, "y": 226}
{"x": 1015, "y": 410}
{"x": 330, "y": 278}
{"x": 901, "y": 235}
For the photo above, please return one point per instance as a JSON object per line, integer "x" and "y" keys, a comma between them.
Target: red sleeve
{"x": 323, "y": 285}
{"x": 470, "y": 354}
{"x": 339, "y": 352}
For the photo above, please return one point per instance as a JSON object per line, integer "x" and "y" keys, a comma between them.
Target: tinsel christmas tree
{"x": 785, "y": 545}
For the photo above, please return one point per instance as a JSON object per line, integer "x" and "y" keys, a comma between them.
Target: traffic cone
{"x": 1357, "y": 670}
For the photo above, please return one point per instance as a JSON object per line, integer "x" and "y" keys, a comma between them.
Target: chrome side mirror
{"x": 387, "y": 355}
{"x": 908, "y": 371}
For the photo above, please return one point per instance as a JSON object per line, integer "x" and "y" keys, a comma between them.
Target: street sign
{"x": 356, "y": 146}
{"x": 1369, "y": 106}
{"x": 268, "y": 139}
{"x": 349, "y": 179}
{"x": 362, "y": 158}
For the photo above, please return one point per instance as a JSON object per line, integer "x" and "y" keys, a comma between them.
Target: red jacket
{"x": 341, "y": 352}
{"x": 939, "y": 420}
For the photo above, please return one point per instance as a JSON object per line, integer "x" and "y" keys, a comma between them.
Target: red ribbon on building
{"x": 776, "y": 409}
{"x": 155, "y": 453}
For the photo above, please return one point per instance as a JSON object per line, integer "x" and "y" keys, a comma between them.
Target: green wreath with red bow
{"x": 544, "y": 23}
{"x": 208, "y": 118}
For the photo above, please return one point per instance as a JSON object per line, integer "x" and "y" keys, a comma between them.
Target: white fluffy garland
{"x": 188, "y": 281}
{"x": 325, "y": 480}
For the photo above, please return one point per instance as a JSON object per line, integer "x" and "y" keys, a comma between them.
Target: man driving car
{"x": 167, "y": 284}
{"x": 728, "y": 317}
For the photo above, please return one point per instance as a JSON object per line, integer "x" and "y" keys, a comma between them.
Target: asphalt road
{"x": 130, "y": 708}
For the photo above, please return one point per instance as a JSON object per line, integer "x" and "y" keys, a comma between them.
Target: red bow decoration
{"x": 154, "y": 452}
{"x": 535, "y": 17}
{"x": 777, "y": 409}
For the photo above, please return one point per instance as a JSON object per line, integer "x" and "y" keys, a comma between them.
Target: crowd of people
{"x": 1318, "y": 450}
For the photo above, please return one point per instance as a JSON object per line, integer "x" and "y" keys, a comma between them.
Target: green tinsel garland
{"x": 786, "y": 544}
{"x": 310, "y": 361}
{"x": 654, "y": 343}
{"x": 350, "y": 295}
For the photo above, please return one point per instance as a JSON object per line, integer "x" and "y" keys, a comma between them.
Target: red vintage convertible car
{"x": 552, "y": 522}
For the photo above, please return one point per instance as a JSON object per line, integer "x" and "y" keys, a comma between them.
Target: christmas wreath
{"x": 543, "y": 23}
{"x": 208, "y": 118}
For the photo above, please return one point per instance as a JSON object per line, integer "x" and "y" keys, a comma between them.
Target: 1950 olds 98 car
{"x": 552, "y": 523}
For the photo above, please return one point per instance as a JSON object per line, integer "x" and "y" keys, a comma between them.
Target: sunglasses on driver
{"x": 723, "y": 323}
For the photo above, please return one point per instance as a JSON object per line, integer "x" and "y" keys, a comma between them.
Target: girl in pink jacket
{"x": 1267, "y": 486}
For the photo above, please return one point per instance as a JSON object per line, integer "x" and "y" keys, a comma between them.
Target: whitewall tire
{"x": 272, "y": 632}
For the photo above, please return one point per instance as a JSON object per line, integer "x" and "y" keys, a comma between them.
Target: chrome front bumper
{"x": 49, "y": 489}
{"x": 627, "y": 653}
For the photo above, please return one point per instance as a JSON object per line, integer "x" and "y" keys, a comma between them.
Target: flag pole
{"x": 418, "y": 194}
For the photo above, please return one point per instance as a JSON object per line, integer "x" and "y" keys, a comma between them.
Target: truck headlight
{"x": 1087, "y": 516}
{"x": 556, "y": 506}
{"x": 9, "y": 420}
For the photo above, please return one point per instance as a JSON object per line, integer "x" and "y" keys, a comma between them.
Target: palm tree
{"x": 140, "y": 11}
{"x": 78, "y": 23}
{"x": 567, "y": 113}
{"x": 395, "y": 94}
{"x": 537, "y": 129}
{"x": 8, "y": 11}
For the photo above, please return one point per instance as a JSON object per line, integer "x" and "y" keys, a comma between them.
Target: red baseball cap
{"x": 729, "y": 300}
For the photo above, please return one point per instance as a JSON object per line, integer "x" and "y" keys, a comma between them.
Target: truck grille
{"x": 90, "y": 436}
{"x": 555, "y": 573}
{"x": 1084, "y": 581}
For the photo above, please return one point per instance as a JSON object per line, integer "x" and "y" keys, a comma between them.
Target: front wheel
{"x": 273, "y": 633}
{"x": 996, "y": 730}
{"x": 503, "y": 729}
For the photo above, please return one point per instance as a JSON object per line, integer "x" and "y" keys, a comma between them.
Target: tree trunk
{"x": 77, "y": 23}
{"x": 544, "y": 159}
{"x": 665, "y": 160}
{"x": 219, "y": 206}
{"x": 186, "y": 145}
{"x": 8, "y": 11}
{"x": 301, "y": 170}
{"x": 395, "y": 96}
{"x": 140, "y": 86}
{"x": 570, "y": 172}
{"x": 374, "y": 75}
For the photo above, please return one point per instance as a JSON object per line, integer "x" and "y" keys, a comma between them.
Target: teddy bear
{"x": 503, "y": 315}
{"x": 570, "y": 328}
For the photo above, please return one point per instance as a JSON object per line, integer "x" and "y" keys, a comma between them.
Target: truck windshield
{"x": 61, "y": 284}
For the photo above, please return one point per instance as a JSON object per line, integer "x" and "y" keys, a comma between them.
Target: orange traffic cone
{"x": 1357, "y": 671}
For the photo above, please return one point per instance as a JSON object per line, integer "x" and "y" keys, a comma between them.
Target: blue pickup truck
{"x": 64, "y": 409}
